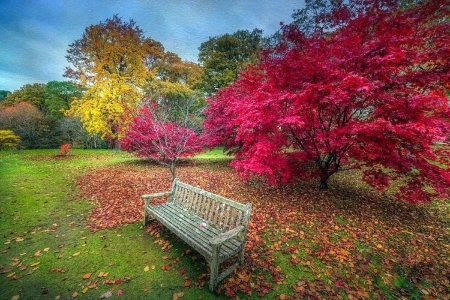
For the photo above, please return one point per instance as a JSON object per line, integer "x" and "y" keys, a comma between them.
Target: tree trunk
{"x": 173, "y": 169}
{"x": 324, "y": 183}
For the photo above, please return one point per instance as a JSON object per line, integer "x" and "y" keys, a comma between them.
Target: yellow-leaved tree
{"x": 113, "y": 61}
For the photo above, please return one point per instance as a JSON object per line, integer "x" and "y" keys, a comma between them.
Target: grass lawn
{"x": 70, "y": 227}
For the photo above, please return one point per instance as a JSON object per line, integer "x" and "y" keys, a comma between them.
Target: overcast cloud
{"x": 35, "y": 35}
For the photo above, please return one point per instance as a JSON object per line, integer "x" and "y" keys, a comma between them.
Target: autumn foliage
{"x": 64, "y": 149}
{"x": 368, "y": 95}
{"x": 160, "y": 140}
{"x": 324, "y": 238}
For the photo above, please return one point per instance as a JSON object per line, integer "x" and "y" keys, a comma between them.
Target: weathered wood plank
{"x": 197, "y": 237}
{"x": 212, "y": 196}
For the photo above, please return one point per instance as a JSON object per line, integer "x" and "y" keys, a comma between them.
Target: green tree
{"x": 222, "y": 57}
{"x": 59, "y": 95}
{"x": 175, "y": 90}
{"x": 3, "y": 94}
{"x": 32, "y": 93}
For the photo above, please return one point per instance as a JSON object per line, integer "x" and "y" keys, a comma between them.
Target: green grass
{"x": 216, "y": 153}
{"x": 346, "y": 235}
{"x": 47, "y": 246}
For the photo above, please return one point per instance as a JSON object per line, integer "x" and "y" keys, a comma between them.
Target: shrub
{"x": 64, "y": 149}
{"x": 8, "y": 140}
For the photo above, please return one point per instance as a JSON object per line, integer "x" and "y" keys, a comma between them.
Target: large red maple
{"x": 368, "y": 95}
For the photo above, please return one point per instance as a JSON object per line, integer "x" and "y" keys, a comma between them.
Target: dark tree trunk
{"x": 323, "y": 183}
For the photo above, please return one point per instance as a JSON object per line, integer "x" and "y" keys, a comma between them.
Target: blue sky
{"x": 35, "y": 34}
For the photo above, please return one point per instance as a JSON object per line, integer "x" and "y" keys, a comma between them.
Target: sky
{"x": 35, "y": 34}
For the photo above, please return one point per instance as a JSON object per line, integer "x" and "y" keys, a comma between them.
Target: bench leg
{"x": 213, "y": 277}
{"x": 214, "y": 269}
{"x": 146, "y": 212}
{"x": 241, "y": 255}
{"x": 145, "y": 217}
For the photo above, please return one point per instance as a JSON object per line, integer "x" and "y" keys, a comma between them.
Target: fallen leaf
{"x": 87, "y": 275}
{"x": 103, "y": 274}
{"x": 85, "y": 290}
{"x": 165, "y": 268}
{"x": 146, "y": 269}
{"x": 119, "y": 292}
{"x": 76, "y": 254}
{"x": 74, "y": 295}
{"x": 106, "y": 295}
{"x": 177, "y": 296}
{"x": 16, "y": 297}
{"x": 93, "y": 285}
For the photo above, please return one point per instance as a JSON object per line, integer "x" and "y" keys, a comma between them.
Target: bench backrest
{"x": 218, "y": 211}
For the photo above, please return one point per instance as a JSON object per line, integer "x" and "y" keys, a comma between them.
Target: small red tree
{"x": 161, "y": 141}
{"x": 64, "y": 149}
{"x": 369, "y": 95}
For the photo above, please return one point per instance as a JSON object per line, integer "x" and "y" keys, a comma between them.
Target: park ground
{"x": 71, "y": 228}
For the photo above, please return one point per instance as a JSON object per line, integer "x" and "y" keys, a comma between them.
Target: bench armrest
{"x": 226, "y": 236}
{"x": 148, "y": 196}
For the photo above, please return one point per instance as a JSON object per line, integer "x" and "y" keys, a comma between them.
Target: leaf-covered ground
{"x": 343, "y": 243}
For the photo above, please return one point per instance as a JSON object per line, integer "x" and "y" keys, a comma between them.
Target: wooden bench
{"x": 212, "y": 225}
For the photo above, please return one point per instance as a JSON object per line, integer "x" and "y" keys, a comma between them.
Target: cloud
{"x": 36, "y": 34}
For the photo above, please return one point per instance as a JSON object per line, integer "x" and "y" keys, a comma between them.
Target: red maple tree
{"x": 159, "y": 140}
{"x": 369, "y": 95}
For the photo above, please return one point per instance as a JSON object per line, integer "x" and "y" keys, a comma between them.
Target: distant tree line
{"x": 114, "y": 72}
{"x": 35, "y": 114}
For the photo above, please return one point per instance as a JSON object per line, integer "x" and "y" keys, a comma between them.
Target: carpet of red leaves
{"x": 343, "y": 240}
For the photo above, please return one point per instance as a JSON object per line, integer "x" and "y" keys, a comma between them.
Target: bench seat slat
{"x": 187, "y": 218}
{"x": 188, "y": 225}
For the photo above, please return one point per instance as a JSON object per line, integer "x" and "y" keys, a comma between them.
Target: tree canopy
{"x": 122, "y": 69}
{"x": 164, "y": 141}
{"x": 367, "y": 93}
{"x": 3, "y": 94}
{"x": 222, "y": 57}
{"x": 113, "y": 60}
{"x": 32, "y": 93}
{"x": 59, "y": 96}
